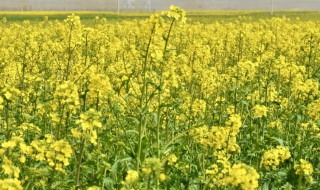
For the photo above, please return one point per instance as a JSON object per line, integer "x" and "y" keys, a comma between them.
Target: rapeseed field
{"x": 160, "y": 103}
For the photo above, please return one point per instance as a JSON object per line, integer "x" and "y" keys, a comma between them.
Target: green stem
{"x": 158, "y": 121}
{"x": 79, "y": 164}
{"x": 300, "y": 182}
{"x": 142, "y": 106}
{"x": 7, "y": 120}
{"x": 149, "y": 181}
{"x": 67, "y": 71}
{"x": 60, "y": 120}
{"x": 168, "y": 35}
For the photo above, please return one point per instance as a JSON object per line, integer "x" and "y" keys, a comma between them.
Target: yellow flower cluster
{"x": 304, "y": 168}
{"x": 10, "y": 163}
{"x": 10, "y": 184}
{"x": 1, "y": 102}
{"x": 198, "y": 108}
{"x": 220, "y": 138}
{"x": 15, "y": 153}
{"x": 176, "y": 13}
{"x": 314, "y": 110}
{"x": 276, "y": 125}
{"x": 274, "y": 157}
{"x": 9, "y": 169}
{"x": 66, "y": 94}
{"x": 54, "y": 152}
{"x": 152, "y": 165}
{"x": 242, "y": 176}
{"x": 100, "y": 86}
{"x": 172, "y": 159}
{"x": 89, "y": 122}
{"x": 219, "y": 171}
{"x": 73, "y": 20}
{"x": 305, "y": 89}
{"x": 10, "y": 93}
{"x": 162, "y": 177}
{"x": 132, "y": 177}
{"x": 260, "y": 111}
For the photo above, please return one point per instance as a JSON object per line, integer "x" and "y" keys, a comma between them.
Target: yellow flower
{"x": 314, "y": 110}
{"x": 162, "y": 177}
{"x": 94, "y": 137}
{"x": 274, "y": 157}
{"x": 22, "y": 159}
{"x": 176, "y": 13}
{"x": 132, "y": 177}
{"x": 243, "y": 176}
{"x": 9, "y": 144}
{"x": 58, "y": 167}
{"x": 260, "y": 111}
{"x": 154, "y": 164}
{"x": 25, "y": 149}
{"x": 7, "y": 169}
{"x": 199, "y": 107}
{"x": 10, "y": 184}
{"x": 94, "y": 188}
{"x": 8, "y": 95}
{"x": 146, "y": 170}
{"x": 75, "y": 133}
{"x": 1, "y": 101}
{"x": 172, "y": 159}
{"x": 234, "y": 121}
{"x": 304, "y": 168}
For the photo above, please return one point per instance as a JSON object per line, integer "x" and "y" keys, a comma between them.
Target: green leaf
{"x": 132, "y": 131}
{"x": 266, "y": 185}
{"x": 114, "y": 168}
{"x": 155, "y": 117}
{"x": 144, "y": 145}
{"x": 281, "y": 174}
{"x": 108, "y": 182}
{"x": 280, "y": 141}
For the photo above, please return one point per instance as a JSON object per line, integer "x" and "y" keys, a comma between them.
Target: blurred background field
{"x": 197, "y": 10}
{"x": 154, "y": 5}
{"x": 193, "y": 16}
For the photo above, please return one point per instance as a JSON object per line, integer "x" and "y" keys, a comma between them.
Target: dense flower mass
{"x": 10, "y": 184}
{"x": 304, "y": 168}
{"x": 242, "y": 176}
{"x": 159, "y": 103}
{"x": 260, "y": 111}
{"x": 274, "y": 157}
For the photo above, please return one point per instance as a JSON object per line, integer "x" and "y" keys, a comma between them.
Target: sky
{"x": 158, "y": 4}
